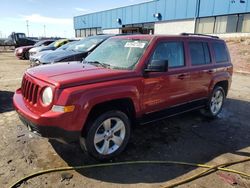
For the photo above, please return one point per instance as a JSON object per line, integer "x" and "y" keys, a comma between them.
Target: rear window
{"x": 220, "y": 51}
{"x": 199, "y": 53}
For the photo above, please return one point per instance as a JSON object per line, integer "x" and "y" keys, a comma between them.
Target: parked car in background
{"x": 35, "y": 60}
{"x": 56, "y": 44}
{"x": 23, "y": 51}
{"x": 127, "y": 79}
{"x": 75, "y": 52}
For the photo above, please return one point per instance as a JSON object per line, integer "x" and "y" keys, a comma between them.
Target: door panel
{"x": 165, "y": 89}
{"x": 202, "y": 69}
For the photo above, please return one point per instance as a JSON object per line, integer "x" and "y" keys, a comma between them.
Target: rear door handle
{"x": 181, "y": 76}
{"x": 210, "y": 71}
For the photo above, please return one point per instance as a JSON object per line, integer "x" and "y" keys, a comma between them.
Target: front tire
{"x": 106, "y": 135}
{"x": 215, "y": 103}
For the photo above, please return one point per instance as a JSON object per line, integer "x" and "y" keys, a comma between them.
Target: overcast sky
{"x": 56, "y": 15}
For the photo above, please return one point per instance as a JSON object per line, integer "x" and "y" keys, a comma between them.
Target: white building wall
{"x": 175, "y": 27}
{"x": 111, "y": 31}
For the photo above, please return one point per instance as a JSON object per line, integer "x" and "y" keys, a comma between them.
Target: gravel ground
{"x": 189, "y": 137}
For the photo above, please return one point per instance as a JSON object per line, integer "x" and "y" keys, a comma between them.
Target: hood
{"x": 60, "y": 55}
{"x": 38, "y": 55}
{"x": 36, "y": 49}
{"x": 41, "y": 48}
{"x": 44, "y": 48}
{"x": 71, "y": 74}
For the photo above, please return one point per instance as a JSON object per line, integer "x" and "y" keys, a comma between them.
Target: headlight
{"x": 47, "y": 96}
{"x": 20, "y": 50}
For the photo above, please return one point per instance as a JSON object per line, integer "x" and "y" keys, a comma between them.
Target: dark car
{"x": 35, "y": 60}
{"x": 23, "y": 52}
{"x": 56, "y": 44}
{"x": 75, "y": 52}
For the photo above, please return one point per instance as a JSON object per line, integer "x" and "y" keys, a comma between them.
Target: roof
{"x": 149, "y": 37}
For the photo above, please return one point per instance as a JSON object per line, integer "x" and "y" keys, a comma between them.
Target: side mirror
{"x": 157, "y": 66}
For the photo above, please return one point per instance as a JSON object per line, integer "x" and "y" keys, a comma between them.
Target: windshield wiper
{"x": 98, "y": 63}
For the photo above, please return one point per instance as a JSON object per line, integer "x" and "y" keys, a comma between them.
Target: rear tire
{"x": 215, "y": 103}
{"x": 107, "y": 135}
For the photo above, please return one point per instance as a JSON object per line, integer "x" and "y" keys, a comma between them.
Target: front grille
{"x": 30, "y": 90}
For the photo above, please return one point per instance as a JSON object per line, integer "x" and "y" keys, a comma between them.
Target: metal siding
{"x": 136, "y": 13}
{"x": 221, "y": 7}
{"x": 113, "y": 18}
{"x": 248, "y": 6}
{"x": 143, "y": 13}
{"x": 109, "y": 19}
{"x": 128, "y": 15}
{"x": 99, "y": 21}
{"x": 119, "y": 15}
{"x": 170, "y": 9}
{"x": 160, "y": 8}
{"x": 237, "y": 7}
{"x": 191, "y": 8}
{"x": 206, "y": 8}
{"x": 181, "y": 9}
{"x": 151, "y": 8}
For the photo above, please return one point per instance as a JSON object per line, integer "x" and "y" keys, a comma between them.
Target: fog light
{"x": 57, "y": 108}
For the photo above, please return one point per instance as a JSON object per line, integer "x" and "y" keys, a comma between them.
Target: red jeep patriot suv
{"x": 126, "y": 79}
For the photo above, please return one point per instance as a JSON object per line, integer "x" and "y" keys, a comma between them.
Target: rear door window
{"x": 199, "y": 53}
{"x": 220, "y": 52}
{"x": 171, "y": 51}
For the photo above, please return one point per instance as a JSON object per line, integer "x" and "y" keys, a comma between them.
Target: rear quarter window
{"x": 199, "y": 53}
{"x": 220, "y": 52}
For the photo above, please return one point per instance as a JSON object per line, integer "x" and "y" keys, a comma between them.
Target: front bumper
{"x": 45, "y": 125}
{"x": 51, "y": 132}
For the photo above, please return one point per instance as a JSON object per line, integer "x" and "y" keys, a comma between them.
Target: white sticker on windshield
{"x": 135, "y": 44}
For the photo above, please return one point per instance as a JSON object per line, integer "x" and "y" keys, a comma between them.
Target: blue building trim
{"x": 169, "y": 10}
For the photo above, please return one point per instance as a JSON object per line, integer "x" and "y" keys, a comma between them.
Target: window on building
{"x": 99, "y": 30}
{"x": 88, "y": 32}
{"x": 171, "y": 51}
{"x": 244, "y": 23}
{"x": 83, "y": 32}
{"x": 220, "y": 24}
{"x": 232, "y": 23}
{"x": 199, "y": 52}
{"x": 78, "y": 34}
{"x": 93, "y": 31}
{"x": 220, "y": 51}
{"x": 205, "y": 25}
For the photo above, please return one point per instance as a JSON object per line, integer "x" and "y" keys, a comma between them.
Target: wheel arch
{"x": 125, "y": 105}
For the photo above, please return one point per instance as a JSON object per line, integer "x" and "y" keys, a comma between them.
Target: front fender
{"x": 86, "y": 97}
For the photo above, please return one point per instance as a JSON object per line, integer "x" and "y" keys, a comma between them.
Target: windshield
{"x": 52, "y": 44}
{"x": 39, "y": 43}
{"x": 65, "y": 46}
{"x": 86, "y": 44}
{"x": 21, "y": 35}
{"x": 117, "y": 53}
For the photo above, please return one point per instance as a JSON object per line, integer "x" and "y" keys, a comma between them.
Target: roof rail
{"x": 197, "y": 34}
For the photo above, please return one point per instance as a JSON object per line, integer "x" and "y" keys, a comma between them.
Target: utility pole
{"x": 27, "y": 24}
{"x": 44, "y": 30}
